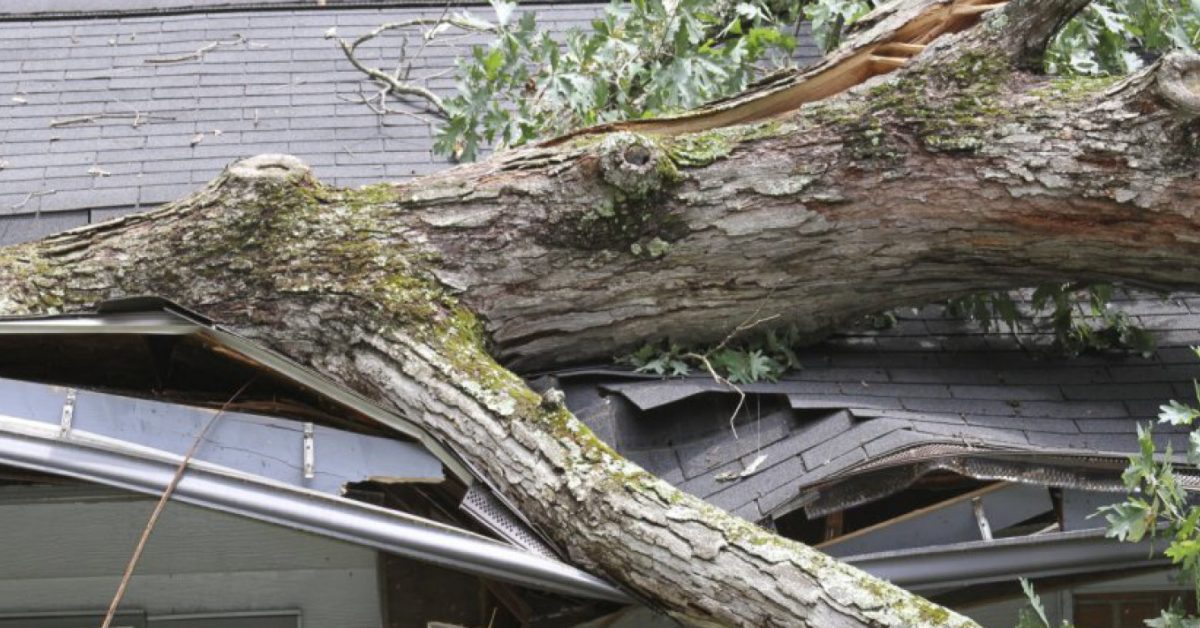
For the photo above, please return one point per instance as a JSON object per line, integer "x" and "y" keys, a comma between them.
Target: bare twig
{"x": 382, "y": 109}
{"x": 162, "y": 504}
{"x": 751, "y": 322}
{"x": 199, "y": 52}
{"x": 397, "y": 83}
{"x": 703, "y": 359}
{"x": 138, "y": 118}
{"x": 30, "y": 196}
{"x": 745, "y": 325}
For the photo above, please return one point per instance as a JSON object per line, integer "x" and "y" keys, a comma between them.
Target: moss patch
{"x": 694, "y": 150}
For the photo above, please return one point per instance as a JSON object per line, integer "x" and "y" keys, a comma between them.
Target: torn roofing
{"x": 866, "y": 395}
{"x": 90, "y": 129}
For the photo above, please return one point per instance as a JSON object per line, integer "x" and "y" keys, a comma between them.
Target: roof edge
{"x": 232, "y": 6}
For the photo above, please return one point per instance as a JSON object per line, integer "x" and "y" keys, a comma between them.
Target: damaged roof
{"x": 931, "y": 393}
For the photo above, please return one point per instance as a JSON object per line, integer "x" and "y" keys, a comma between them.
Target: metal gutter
{"x": 305, "y": 455}
{"x": 963, "y": 564}
{"x": 36, "y": 446}
{"x": 158, "y": 323}
{"x": 323, "y": 385}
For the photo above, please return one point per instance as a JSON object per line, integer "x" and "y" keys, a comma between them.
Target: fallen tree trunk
{"x": 848, "y": 188}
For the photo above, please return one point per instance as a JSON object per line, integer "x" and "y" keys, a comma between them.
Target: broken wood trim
{"x": 958, "y": 519}
{"x": 834, "y": 525}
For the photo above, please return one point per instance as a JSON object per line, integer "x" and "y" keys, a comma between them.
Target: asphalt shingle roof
{"x": 865, "y": 394}
{"x": 89, "y": 129}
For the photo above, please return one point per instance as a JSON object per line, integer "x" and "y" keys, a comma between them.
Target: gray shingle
{"x": 862, "y": 432}
{"x": 1072, "y": 409}
{"x": 767, "y": 481}
{"x": 840, "y": 463}
{"x": 1060, "y": 426}
{"x": 1143, "y": 390}
{"x": 1089, "y": 442}
{"x": 699, "y": 456}
{"x": 25, "y": 227}
{"x": 976, "y": 434}
{"x": 1008, "y": 392}
{"x": 944, "y": 376}
{"x": 706, "y": 483}
{"x": 893, "y": 441}
{"x": 961, "y": 406}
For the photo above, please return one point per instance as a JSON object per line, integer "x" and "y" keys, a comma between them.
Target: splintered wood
{"x": 862, "y": 58}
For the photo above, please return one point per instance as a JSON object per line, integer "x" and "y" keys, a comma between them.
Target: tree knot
{"x": 270, "y": 167}
{"x": 1178, "y": 81}
{"x": 635, "y": 165}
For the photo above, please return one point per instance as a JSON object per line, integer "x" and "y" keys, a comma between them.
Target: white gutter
{"x": 40, "y": 447}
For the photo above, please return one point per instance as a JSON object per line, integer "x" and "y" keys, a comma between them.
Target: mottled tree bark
{"x": 959, "y": 172}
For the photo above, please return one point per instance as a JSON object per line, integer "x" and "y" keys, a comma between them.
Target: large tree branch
{"x": 956, "y": 173}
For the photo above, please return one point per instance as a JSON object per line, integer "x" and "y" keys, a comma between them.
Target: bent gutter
{"x": 37, "y": 446}
{"x": 975, "y": 562}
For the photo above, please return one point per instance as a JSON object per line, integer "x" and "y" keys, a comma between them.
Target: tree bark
{"x": 961, "y": 171}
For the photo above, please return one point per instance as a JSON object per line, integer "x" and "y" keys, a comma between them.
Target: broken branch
{"x": 392, "y": 84}
{"x": 199, "y": 52}
{"x": 137, "y": 116}
{"x": 162, "y": 504}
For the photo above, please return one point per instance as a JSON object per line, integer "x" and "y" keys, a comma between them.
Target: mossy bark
{"x": 940, "y": 179}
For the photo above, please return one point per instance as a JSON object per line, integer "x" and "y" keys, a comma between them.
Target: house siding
{"x": 67, "y": 554}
